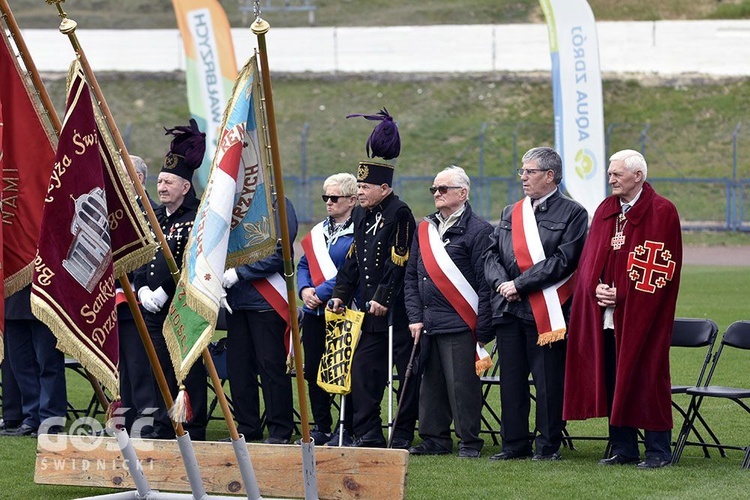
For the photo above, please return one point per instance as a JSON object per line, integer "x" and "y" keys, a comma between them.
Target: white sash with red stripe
{"x": 545, "y": 304}
{"x": 451, "y": 282}
{"x": 319, "y": 260}
{"x": 273, "y": 289}
{"x": 447, "y": 277}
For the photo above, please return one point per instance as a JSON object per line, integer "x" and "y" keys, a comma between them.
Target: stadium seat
{"x": 737, "y": 336}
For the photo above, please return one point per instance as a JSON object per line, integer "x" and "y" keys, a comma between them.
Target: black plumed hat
{"x": 384, "y": 142}
{"x": 186, "y": 150}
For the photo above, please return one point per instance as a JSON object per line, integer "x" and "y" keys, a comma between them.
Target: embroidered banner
{"x": 233, "y": 225}
{"x": 26, "y": 159}
{"x": 74, "y": 287}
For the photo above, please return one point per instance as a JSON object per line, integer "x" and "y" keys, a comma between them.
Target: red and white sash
{"x": 545, "y": 304}
{"x": 319, "y": 260}
{"x": 273, "y": 289}
{"x": 447, "y": 276}
{"x": 451, "y": 282}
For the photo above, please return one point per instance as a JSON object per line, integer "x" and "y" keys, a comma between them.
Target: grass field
{"x": 716, "y": 293}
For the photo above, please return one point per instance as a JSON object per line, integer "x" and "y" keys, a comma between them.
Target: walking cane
{"x": 407, "y": 376}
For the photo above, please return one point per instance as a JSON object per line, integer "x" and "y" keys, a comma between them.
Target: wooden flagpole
{"x": 67, "y": 27}
{"x": 260, "y": 28}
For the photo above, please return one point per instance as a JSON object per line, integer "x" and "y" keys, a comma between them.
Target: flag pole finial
{"x": 67, "y": 25}
{"x": 260, "y": 26}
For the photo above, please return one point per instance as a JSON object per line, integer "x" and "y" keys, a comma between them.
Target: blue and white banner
{"x": 234, "y": 224}
{"x": 577, "y": 97}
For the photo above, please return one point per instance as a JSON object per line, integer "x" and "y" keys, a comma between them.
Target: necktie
{"x": 625, "y": 208}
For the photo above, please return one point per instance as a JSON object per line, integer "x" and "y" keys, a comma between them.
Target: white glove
{"x": 143, "y": 293}
{"x": 230, "y": 278}
{"x": 149, "y": 303}
{"x": 159, "y": 298}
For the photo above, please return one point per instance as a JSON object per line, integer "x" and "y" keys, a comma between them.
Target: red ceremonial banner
{"x": 26, "y": 158}
{"x": 74, "y": 287}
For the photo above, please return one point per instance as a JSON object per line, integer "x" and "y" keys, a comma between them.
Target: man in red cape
{"x": 621, "y": 320}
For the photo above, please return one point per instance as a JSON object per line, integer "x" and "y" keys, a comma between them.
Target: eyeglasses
{"x": 442, "y": 189}
{"x": 529, "y": 171}
{"x": 334, "y": 197}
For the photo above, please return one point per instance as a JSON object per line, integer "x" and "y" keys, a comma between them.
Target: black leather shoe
{"x": 371, "y": 439}
{"x": 428, "y": 447}
{"x": 549, "y": 456}
{"x": 653, "y": 463}
{"x": 469, "y": 453}
{"x": 23, "y": 430}
{"x": 7, "y": 425}
{"x": 400, "y": 444}
{"x": 275, "y": 440}
{"x": 619, "y": 460}
{"x": 510, "y": 455}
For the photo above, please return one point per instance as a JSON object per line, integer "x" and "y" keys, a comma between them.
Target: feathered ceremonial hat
{"x": 384, "y": 142}
{"x": 186, "y": 150}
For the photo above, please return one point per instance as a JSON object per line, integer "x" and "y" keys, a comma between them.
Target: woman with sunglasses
{"x": 325, "y": 250}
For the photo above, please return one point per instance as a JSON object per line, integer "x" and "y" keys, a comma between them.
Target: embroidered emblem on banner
{"x": 650, "y": 266}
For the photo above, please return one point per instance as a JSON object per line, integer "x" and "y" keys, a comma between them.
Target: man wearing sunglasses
{"x": 448, "y": 303}
{"x": 533, "y": 252}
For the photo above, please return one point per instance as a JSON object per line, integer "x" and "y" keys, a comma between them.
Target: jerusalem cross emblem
{"x": 650, "y": 266}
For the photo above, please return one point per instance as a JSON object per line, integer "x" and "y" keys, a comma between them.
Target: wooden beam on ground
{"x": 343, "y": 473}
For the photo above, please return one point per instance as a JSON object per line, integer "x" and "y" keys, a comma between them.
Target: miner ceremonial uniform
{"x": 376, "y": 266}
{"x": 186, "y": 154}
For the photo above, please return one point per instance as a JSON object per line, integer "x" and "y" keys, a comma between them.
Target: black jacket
{"x": 377, "y": 262}
{"x": 562, "y": 225}
{"x": 465, "y": 242}
{"x": 176, "y": 228}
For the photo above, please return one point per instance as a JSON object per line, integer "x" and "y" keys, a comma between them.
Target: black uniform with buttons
{"x": 376, "y": 266}
{"x": 176, "y": 228}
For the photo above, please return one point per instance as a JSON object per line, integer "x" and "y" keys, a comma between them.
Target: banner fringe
{"x": 19, "y": 280}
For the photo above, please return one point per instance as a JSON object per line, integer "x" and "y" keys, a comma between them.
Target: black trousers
{"x": 12, "y": 412}
{"x": 450, "y": 391}
{"x": 624, "y": 439}
{"x": 39, "y": 369}
{"x": 519, "y": 357}
{"x": 137, "y": 383}
{"x": 370, "y": 378}
{"x": 255, "y": 346}
{"x": 195, "y": 383}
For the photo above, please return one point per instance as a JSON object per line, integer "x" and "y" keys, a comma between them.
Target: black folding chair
{"x": 695, "y": 333}
{"x": 490, "y": 379}
{"x": 736, "y": 336}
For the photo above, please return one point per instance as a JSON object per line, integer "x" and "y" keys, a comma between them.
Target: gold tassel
{"x": 181, "y": 410}
{"x": 398, "y": 259}
{"x": 350, "y": 252}
{"x": 550, "y": 337}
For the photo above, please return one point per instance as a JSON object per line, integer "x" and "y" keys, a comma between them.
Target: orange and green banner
{"x": 210, "y": 68}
